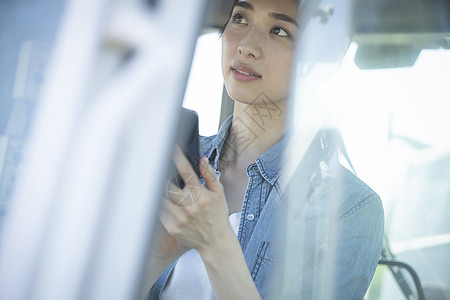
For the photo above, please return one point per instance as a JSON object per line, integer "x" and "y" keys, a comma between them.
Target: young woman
{"x": 217, "y": 239}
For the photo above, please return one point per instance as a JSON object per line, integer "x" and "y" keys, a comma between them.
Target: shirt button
{"x": 255, "y": 168}
{"x": 250, "y": 217}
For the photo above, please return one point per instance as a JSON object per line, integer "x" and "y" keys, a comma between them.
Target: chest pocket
{"x": 260, "y": 259}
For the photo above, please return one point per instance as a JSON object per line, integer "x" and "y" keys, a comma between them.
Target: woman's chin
{"x": 247, "y": 96}
{"x": 256, "y": 98}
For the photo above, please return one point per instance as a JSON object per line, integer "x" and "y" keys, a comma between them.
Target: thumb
{"x": 209, "y": 174}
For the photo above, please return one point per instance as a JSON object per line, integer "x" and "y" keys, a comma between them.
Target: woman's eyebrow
{"x": 245, "y": 5}
{"x": 275, "y": 15}
{"x": 284, "y": 17}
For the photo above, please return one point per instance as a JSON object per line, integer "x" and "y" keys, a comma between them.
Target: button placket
{"x": 255, "y": 169}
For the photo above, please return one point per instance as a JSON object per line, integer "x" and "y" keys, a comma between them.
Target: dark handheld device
{"x": 187, "y": 139}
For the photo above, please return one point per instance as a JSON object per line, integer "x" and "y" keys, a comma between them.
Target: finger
{"x": 209, "y": 174}
{"x": 169, "y": 213}
{"x": 164, "y": 214}
{"x": 185, "y": 169}
{"x": 180, "y": 197}
{"x": 174, "y": 193}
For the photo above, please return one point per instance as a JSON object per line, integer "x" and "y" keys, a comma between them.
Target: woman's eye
{"x": 239, "y": 19}
{"x": 280, "y": 32}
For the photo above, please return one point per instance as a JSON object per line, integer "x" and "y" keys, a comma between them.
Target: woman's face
{"x": 257, "y": 49}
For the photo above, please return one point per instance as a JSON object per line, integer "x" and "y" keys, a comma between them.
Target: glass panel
{"x": 387, "y": 96}
{"x": 27, "y": 32}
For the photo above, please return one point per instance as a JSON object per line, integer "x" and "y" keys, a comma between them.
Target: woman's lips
{"x": 242, "y": 73}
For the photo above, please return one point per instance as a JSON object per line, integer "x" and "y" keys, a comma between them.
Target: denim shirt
{"x": 317, "y": 239}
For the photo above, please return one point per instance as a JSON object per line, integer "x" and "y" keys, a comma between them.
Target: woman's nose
{"x": 251, "y": 45}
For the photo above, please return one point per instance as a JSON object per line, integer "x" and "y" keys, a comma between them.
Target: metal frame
{"x": 392, "y": 263}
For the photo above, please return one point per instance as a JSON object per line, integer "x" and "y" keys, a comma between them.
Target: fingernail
{"x": 205, "y": 159}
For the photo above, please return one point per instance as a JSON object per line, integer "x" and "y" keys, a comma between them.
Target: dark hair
{"x": 222, "y": 29}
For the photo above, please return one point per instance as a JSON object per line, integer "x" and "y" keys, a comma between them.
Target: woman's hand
{"x": 165, "y": 246}
{"x": 196, "y": 216}
{"x": 165, "y": 249}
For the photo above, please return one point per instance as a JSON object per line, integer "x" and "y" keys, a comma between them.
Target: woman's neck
{"x": 254, "y": 130}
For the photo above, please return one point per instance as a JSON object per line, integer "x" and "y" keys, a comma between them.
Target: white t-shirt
{"x": 189, "y": 279}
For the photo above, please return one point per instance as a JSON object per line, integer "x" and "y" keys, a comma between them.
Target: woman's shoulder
{"x": 351, "y": 181}
{"x": 356, "y": 191}
{"x": 350, "y": 191}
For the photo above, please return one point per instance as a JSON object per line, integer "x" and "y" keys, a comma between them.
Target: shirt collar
{"x": 270, "y": 164}
{"x": 215, "y": 143}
